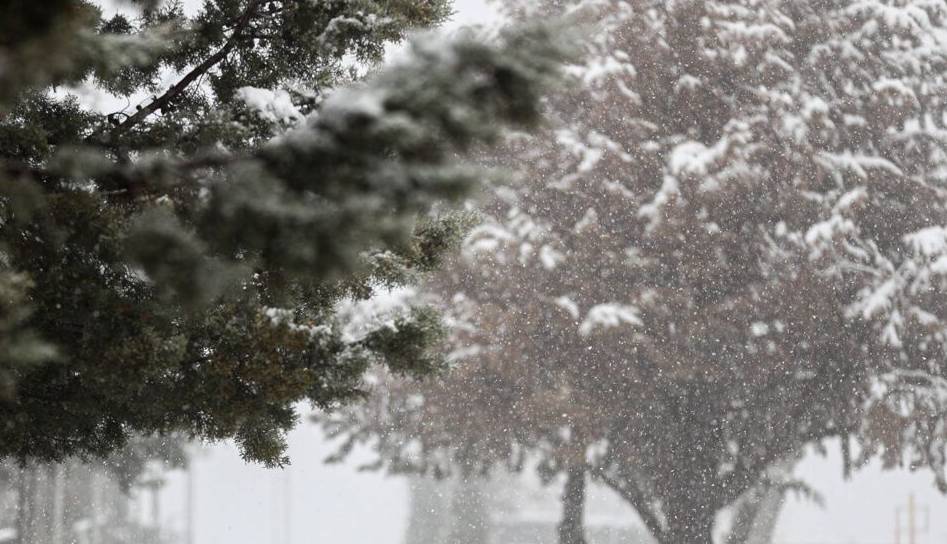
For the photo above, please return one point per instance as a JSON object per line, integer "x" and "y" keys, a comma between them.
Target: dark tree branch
{"x": 744, "y": 475}
{"x": 165, "y": 99}
{"x": 636, "y": 498}
{"x": 17, "y": 169}
{"x": 53, "y": 182}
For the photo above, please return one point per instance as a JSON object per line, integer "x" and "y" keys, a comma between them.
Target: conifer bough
{"x": 176, "y": 267}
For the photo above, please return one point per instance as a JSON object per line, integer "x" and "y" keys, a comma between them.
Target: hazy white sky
{"x": 237, "y": 503}
{"x": 473, "y": 12}
{"x": 861, "y": 510}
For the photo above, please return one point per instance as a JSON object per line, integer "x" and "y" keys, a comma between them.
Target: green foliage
{"x": 60, "y": 42}
{"x": 20, "y": 346}
{"x": 184, "y": 261}
{"x": 405, "y": 342}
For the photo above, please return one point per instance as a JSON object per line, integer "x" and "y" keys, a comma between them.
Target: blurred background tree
{"x": 112, "y": 500}
{"x": 729, "y": 247}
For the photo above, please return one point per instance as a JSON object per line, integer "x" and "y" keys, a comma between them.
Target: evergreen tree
{"x": 730, "y": 248}
{"x": 177, "y": 266}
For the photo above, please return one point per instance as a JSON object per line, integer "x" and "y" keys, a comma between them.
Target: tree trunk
{"x": 469, "y": 514}
{"x": 690, "y": 526}
{"x": 24, "y": 511}
{"x": 756, "y": 513}
{"x": 429, "y": 517}
{"x": 572, "y": 525}
{"x": 755, "y": 517}
{"x": 58, "y": 516}
{"x": 97, "y": 511}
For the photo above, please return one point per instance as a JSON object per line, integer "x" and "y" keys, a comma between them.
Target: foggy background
{"x": 243, "y": 504}
{"x": 309, "y": 502}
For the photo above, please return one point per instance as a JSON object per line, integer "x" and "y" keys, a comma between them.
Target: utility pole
{"x": 287, "y": 507}
{"x": 912, "y": 529}
{"x": 897, "y": 525}
{"x": 190, "y": 504}
{"x": 912, "y": 526}
{"x": 98, "y": 508}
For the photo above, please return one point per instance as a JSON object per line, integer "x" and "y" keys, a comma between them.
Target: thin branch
{"x": 179, "y": 87}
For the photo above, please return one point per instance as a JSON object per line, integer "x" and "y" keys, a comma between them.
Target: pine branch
{"x": 162, "y": 101}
